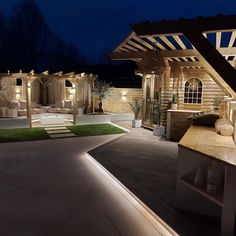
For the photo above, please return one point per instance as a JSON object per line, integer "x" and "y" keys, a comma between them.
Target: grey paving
{"x": 147, "y": 165}
{"x": 50, "y": 188}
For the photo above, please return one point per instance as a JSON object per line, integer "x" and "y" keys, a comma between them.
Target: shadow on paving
{"x": 148, "y": 167}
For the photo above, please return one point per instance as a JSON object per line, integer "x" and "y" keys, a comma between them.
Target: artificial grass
{"x": 22, "y": 134}
{"x": 30, "y": 134}
{"x": 93, "y": 130}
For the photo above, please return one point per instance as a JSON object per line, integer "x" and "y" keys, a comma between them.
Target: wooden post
{"x": 44, "y": 87}
{"x": 28, "y": 101}
{"x": 92, "y": 97}
{"x": 75, "y": 92}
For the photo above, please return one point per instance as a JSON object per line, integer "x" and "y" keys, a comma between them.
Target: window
{"x": 193, "y": 91}
{"x": 68, "y": 83}
{"x": 18, "y": 82}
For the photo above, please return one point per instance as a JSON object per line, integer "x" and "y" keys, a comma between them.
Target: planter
{"x": 93, "y": 119}
{"x": 174, "y": 106}
{"x": 136, "y": 123}
{"x": 3, "y": 111}
{"x": 159, "y": 130}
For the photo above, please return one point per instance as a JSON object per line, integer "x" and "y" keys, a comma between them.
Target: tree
{"x": 31, "y": 44}
{"x": 102, "y": 90}
{"x": 136, "y": 105}
{"x": 2, "y": 94}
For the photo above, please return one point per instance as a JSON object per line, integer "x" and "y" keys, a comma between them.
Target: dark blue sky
{"x": 97, "y": 26}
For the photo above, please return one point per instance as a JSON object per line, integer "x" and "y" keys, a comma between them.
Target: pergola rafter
{"x": 187, "y": 40}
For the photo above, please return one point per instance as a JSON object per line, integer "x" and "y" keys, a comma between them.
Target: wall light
{"x": 124, "y": 95}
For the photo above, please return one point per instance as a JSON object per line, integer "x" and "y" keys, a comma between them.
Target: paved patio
{"x": 54, "y": 188}
{"x": 148, "y": 167}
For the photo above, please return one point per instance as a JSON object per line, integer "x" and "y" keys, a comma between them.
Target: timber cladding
{"x": 119, "y": 98}
{"x": 210, "y": 90}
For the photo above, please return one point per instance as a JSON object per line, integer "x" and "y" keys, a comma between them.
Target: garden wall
{"x": 119, "y": 98}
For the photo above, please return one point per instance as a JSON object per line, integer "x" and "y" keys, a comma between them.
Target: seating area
{"x": 18, "y": 108}
{"x": 65, "y": 107}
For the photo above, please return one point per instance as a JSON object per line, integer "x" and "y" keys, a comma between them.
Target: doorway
{"x": 151, "y": 95}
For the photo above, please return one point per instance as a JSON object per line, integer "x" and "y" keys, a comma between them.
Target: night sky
{"x": 97, "y": 26}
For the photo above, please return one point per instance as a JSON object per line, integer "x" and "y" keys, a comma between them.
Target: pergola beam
{"x": 168, "y": 53}
{"x": 179, "y": 41}
{"x": 154, "y": 41}
{"x": 200, "y": 24}
{"x": 167, "y": 42}
{"x": 124, "y": 42}
{"x": 131, "y": 48}
{"x": 186, "y": 63}
{"x": 218, "y": 39}
{"x": 143, "y": 42}
{"x": 232, "y": 39}
{"x": 137, "y": 45}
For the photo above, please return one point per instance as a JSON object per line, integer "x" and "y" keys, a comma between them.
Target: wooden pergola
{"x": 44, "y": 78}
{"x": 187, "y": 43}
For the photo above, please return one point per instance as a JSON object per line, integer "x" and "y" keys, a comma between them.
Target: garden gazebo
{"x": 46, "y": 89}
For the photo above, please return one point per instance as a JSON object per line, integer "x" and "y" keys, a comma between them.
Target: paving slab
{"x": 62, "y": 135}
{"x": 147, "y": 165}
{"x": 51, "y": 187}
{"x": 55, "y": 128}
{"x": 58, "y": 131}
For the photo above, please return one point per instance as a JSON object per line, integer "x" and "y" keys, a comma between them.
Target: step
{"x": 55, "y": 128}
{"x": 58, "y": 131}
{"x": 62, "y": 135}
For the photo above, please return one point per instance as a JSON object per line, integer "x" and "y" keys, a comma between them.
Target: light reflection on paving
{"x": 52, "y": 188}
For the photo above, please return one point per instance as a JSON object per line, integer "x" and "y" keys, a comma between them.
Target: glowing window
{"x": 193, "y": 91}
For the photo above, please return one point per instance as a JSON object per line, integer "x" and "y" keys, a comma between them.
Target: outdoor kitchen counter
{"x": 199, "y": 148}
{"x": 206, "y": 141}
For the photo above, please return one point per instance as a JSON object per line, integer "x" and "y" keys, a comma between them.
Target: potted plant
{"x": 136, "y": 106}
{"x": 158, "y": 130}
{"x": 216, "y": 103}
{"x": 174, "y": 101}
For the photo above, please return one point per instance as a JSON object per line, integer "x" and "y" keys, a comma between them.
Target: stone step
{"x": 56, "y": 128}
{"x": 58, "y": 131}
{"x": 62, "y": 135}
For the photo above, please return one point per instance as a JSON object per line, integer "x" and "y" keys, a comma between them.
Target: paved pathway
{"x": 52, "y": 187}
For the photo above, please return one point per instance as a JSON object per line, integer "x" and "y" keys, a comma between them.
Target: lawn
{"x": 92, "y": 130}
{"x": 22, "y": 134}
{"x": 27, "y": 134}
